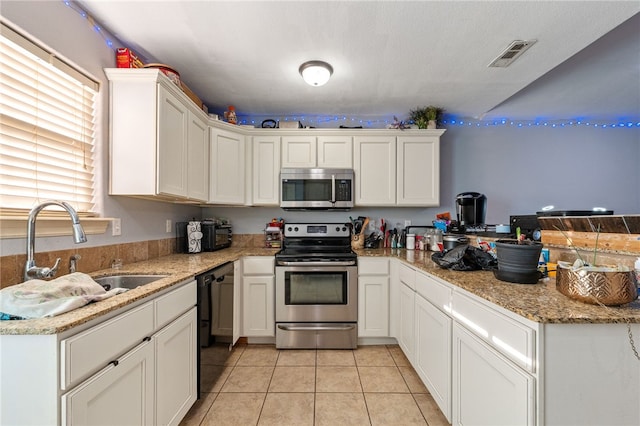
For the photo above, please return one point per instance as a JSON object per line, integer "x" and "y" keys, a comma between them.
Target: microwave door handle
{"x": 333, "y": 189}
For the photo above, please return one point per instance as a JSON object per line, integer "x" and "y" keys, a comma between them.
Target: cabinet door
{"x": 172, "y": 145}
{"x": 299, "y": 151}
{"x": 121, "y": 394}
{"x": 266, "y": 170}
{"x": 259, "y": 305}
{"x": 335, "y": 152}
{"x": 227, "y": 171}
{"x": 373, "y": 306}
{"x": 176, "y": 367}
{"x": 374, "y": 163}
{"x": 406, "y": 333}
{"x": 418, "y": 171}
{"x": 433, "y": 353}
{"x": 197, "y": 158}
{"x": 488, "y": 389}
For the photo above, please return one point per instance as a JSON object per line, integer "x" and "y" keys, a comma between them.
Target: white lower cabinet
{"x": 153, "y": 383}
{"x": 258, "y": 286}
{"x": 488, "y": 388}
{"x": 407, "y": 324}
{"x": 373, "y": 297}
{"x": 176, "y": 381}
{"x": 121, "y": 394}
{"x": 136, "y": 366}
{"x": 433, "y": 352}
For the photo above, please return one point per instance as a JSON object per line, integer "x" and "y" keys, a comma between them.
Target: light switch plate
{"x": 167, "y": 226}
{"x": 116, "y": 227}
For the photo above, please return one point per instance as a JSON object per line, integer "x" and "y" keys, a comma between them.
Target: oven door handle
{"x": 286, "y": 263}
{"x": 316, "y": 328}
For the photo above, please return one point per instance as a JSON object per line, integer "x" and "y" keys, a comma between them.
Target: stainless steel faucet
{"x": 31, "y": 271}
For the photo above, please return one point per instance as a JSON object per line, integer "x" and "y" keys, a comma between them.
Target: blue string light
{"x": 451, "y": 121}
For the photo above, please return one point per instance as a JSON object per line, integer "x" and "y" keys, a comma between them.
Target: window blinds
{"x": 47, "y": 128}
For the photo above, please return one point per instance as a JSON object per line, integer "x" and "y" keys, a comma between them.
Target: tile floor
{"x": 261, "y": 385}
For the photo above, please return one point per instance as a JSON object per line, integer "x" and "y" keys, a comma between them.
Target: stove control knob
{"x": 296, "y": 229}
{"x": 344, "y": 229}
{"x": 289, "y": 229}
{"x": 337, "y": 229}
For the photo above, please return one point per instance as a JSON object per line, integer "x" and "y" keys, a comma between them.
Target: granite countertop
{"x": 537, "y": 302}
{"x": 178, "y": 267}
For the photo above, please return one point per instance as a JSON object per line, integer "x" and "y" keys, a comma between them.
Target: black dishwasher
{"x": 215, "y": 315}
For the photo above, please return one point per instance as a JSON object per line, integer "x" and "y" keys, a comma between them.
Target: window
{"x": 47, "y": 128}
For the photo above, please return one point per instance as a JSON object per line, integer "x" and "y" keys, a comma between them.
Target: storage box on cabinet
{"x": 92, "y": 350}
{"x": 513, "y": 339}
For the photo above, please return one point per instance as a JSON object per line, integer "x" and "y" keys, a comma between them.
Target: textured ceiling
{"x": 388, "y": 57}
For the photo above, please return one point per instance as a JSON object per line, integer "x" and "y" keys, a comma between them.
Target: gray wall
{"x": 520, "y": 170}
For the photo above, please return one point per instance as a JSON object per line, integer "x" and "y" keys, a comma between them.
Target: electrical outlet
{"x": 167, "y": 226}
{"x": 116, "y": 227}
{"x": 407, "y": 222}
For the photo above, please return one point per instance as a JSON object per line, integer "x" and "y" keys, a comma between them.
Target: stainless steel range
{"x": 316, "y": 288}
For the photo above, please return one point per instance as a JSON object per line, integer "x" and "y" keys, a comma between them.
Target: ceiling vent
{"x": 511, "y": 53}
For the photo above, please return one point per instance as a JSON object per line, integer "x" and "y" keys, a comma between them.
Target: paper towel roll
{"x": 194, "y": 235}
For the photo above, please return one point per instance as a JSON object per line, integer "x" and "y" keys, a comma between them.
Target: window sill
{"x": 16, "y": 227}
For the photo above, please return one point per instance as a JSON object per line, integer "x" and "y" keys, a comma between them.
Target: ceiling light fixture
{"x": 316, "y": 73}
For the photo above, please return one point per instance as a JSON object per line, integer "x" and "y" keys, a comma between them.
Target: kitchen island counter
{"x": 540, "y": 302}
{"x": 177, "y": 267}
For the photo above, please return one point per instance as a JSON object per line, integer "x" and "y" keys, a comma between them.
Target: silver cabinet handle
{"x": 333, "y": 189}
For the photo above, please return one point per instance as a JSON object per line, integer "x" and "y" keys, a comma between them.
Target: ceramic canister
{"x": 194, "y": 234}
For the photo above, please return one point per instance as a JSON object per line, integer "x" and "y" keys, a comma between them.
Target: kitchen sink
{"x": 127, "y": 281}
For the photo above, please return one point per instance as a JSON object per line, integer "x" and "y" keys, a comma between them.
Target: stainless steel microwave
{"x": 316, "y": 189}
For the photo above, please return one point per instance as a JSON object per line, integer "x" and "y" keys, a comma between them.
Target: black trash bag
{"x": 465, "y": 258}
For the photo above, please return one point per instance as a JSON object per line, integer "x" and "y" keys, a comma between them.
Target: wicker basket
{"x": 595, "y": 287}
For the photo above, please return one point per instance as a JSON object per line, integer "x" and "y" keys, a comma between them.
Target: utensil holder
{"x": 357, "y": 241}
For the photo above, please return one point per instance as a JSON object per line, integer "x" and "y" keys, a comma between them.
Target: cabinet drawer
{"x": 435, "y": 292}
{"x": 373, "y": 266}
{"x": 91, "y": 350}
{"x": 174, "y": 304}
{"x": 407, "y": 276}
{"x": 513, "y": 339}
{"x": 258, "y": 265}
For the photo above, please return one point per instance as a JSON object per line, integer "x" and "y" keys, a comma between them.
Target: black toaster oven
{"x": 214, "y": 236}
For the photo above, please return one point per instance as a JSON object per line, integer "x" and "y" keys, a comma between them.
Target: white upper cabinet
{"x": 323, "y": 151}
{"x": 418, "y": 165}
{"x": 266, "y": 170}
{"x": 335, "y": 152}
{"x": 398, "y": 170}
{"x": 375, "y": 170}
{"x": 227, "y": 167}
{"x": 156, "y": 138}
{"x": 299, "y": 151}
{"x": 197, "y": 158}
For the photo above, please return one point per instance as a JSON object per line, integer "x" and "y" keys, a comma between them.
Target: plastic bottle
{"x": 231, "y": 116}
{"x": 411, "y": 241}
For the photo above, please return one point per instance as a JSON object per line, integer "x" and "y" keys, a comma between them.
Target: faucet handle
{"x": 49, "y": 272}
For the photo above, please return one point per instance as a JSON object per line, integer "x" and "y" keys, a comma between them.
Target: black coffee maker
{"x": 471, "y": 208}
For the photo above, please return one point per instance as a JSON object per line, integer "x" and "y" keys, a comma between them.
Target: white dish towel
{"x": 39, "y": 298}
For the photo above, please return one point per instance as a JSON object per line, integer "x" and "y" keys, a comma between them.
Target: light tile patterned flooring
{"x": 261, "y": 385}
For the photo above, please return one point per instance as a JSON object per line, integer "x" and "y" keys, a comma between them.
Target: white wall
{"x": 64, "y": 30}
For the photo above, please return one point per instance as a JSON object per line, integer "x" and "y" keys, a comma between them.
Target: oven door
{"x": 316, "y": 294}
